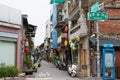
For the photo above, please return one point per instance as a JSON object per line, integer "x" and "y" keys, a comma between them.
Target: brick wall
{"x": 111, "y": 26}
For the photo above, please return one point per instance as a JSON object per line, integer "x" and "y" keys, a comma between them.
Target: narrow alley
{"x": 60, "y": 40}
{"x": 48, "y": 71}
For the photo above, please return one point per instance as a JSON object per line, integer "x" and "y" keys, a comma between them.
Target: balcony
{"x": 78, "y": 30}
{"x": 73, "y": 8}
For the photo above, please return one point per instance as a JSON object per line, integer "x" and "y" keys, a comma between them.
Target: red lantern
{"x": 53, "y": 51}
{"x": 66, "y": 36}
{"x": 66, "y": 28}
{"x": 27, "y": 46}
{"x": 27, "y": 50}
{"x": 26, "y": 39}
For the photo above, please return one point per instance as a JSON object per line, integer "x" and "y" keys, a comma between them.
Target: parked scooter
{"x": 72, "y": 70}
{"x": 39, "y": 62}
{"x": 64, "y": 66}
{"x": 58, "y": 64}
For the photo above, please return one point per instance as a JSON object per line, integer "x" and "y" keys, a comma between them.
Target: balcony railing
{"x": 73, "y": 6}
{"x": 78, "y": 30}
{"x": 75, "y": 29}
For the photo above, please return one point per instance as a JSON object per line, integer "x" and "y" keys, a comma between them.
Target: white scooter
{"x": 72, "y": 70}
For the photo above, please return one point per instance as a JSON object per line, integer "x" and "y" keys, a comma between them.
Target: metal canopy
{"x": 102, "y": 41}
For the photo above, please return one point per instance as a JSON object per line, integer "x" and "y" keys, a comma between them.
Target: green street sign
{"x": 97, "y": 16}
{"x": 95, "y": 7}
{"x": 57, "y": 1}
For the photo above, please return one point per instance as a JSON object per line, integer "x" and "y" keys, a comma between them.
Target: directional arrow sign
{"x": 95, "y": 7}
{"x": 97, "y": 16}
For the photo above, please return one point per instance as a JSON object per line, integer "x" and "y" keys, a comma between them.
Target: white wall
{"x": 48, "y": 28}
{"x": 10, "y": 15}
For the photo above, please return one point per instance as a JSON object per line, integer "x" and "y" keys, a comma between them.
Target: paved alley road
{"x": 48, "y": 71}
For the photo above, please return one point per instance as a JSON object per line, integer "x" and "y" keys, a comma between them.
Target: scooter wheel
{"x": 73, "y": 74}
{"x": 59, "y": 68}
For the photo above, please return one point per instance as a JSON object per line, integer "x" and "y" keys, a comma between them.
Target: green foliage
{"x": 28, "y": 62}
{"x": 2, "y": 72}
{"x": 12, "y": 71}
{"x": 31, "y": 44}
{"x": 8, "y": 71}
{"x": 52, "y": 60}
{"x": 2, "y": 64}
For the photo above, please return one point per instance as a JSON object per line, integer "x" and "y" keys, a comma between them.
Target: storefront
{"x": 8, "y": 52}
{"x": 8, "y": 48}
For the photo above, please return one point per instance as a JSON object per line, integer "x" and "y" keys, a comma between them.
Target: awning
{"x": 115, "y": 42}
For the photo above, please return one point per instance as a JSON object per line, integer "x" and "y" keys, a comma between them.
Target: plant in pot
{"x": 28, "y": 62}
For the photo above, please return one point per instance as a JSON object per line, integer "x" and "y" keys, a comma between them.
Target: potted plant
{"x": 28, "y": 62}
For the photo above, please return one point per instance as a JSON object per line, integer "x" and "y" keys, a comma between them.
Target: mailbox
{"x": 108, "y": 68}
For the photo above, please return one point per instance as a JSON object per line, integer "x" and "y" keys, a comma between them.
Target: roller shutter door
{"x": 8, "y": 52}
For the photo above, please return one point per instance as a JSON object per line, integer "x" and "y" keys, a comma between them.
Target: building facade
{"x": 78, "y": 28}
{"x": 47, "y": 40}
{"x": 10, "y": 36}
{"x": 108, "y": 33}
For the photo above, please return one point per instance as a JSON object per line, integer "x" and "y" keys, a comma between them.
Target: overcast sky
{"x": 38, "y": 12}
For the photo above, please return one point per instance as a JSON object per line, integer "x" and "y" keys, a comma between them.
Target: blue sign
{"x": 54, "y": 23}
{"x": 108, "y": 62}
{"x": 54, "y": 18}
{"x": 95, "y": 7}
{"x": 54, "y": 37}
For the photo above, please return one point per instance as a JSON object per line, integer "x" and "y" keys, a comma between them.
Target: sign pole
{"x": 98, "y": 49}
{"x": 95, "y": 15}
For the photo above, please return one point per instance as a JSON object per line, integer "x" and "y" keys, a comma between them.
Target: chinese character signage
{"x": 97, "y": 16}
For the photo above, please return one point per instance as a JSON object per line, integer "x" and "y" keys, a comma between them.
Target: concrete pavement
{"x": 48, "y": 71}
